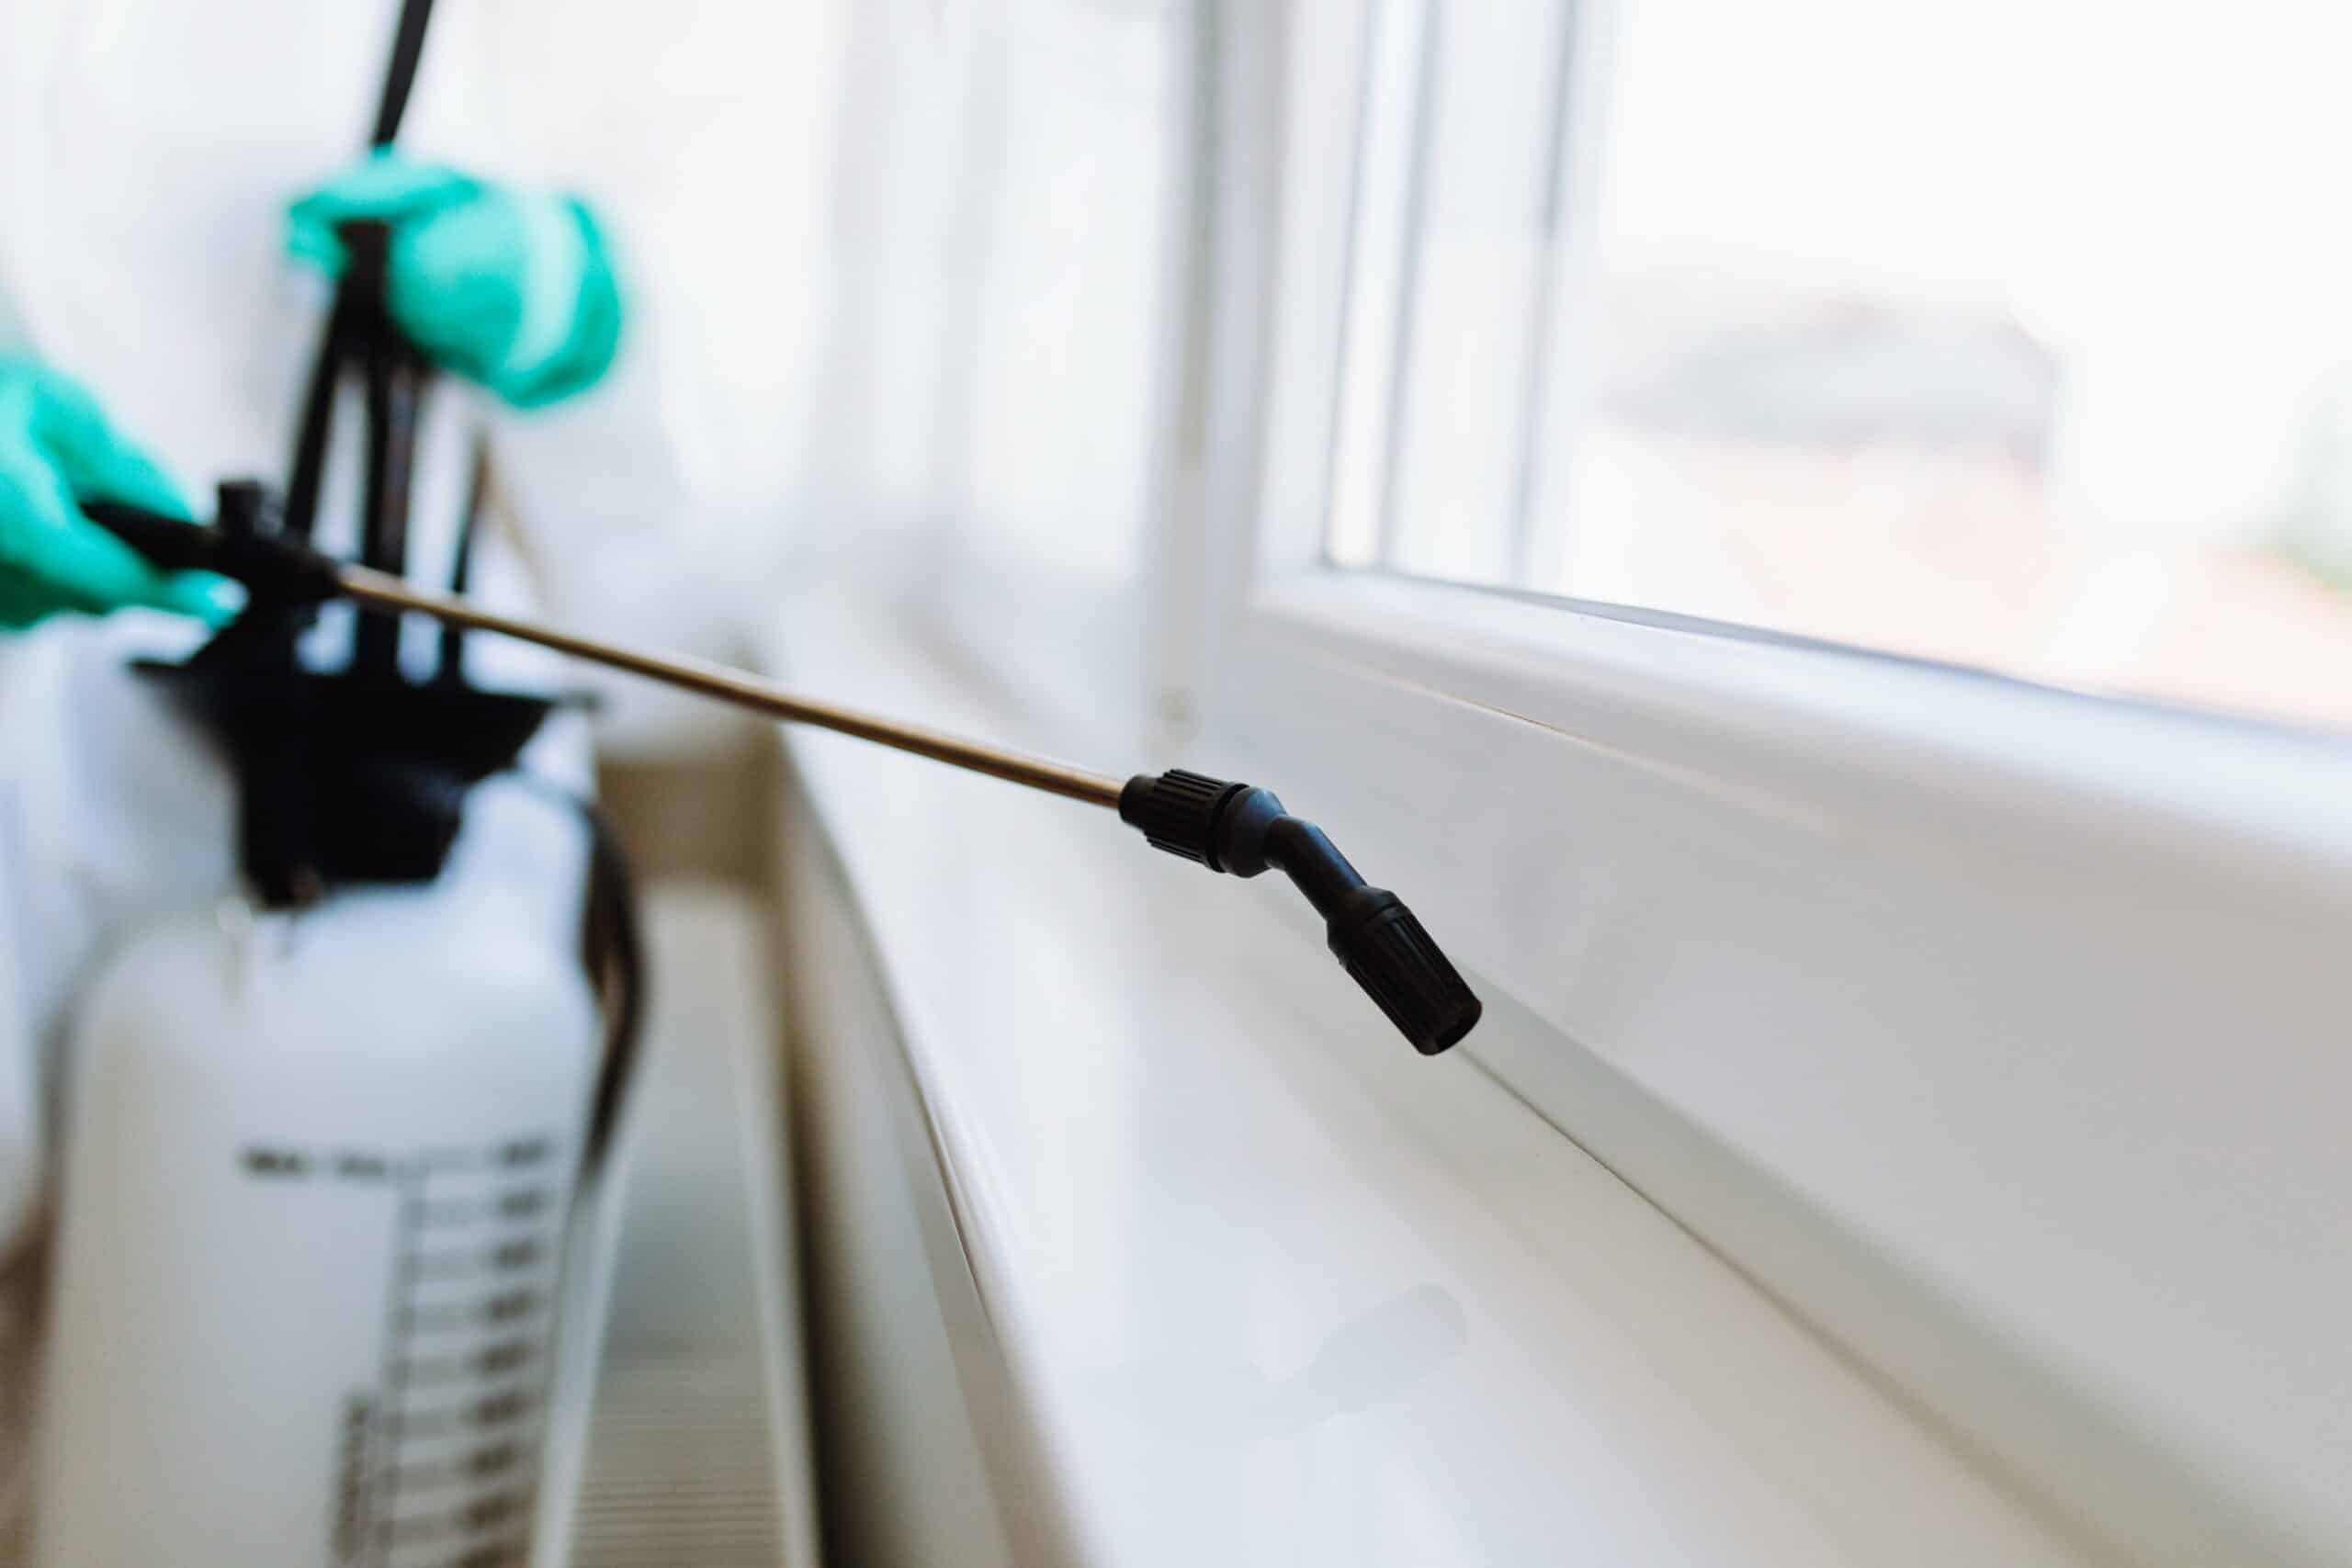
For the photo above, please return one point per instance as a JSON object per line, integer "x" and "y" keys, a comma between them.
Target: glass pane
{"x": 2017, "y": 334}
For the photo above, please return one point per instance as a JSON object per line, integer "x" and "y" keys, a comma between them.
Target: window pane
{"x": 2017, "y": 334}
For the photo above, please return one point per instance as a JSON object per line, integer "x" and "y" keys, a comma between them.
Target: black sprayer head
{"x": 245, "y": 546}
{"x": 1241, "y": 830}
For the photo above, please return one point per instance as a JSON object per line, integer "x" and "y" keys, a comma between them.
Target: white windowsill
{"x": 1273, "y": 1288}
{"x": 1995, "y": 1030}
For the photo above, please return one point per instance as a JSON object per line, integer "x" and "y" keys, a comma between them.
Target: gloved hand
{"x": 55, "y": 446}
{"x": 517, "y": 292}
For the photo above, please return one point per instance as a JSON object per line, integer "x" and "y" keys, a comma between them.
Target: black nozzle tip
{"x": 1241, "y": 831}
{"x": 1387, "y": 951}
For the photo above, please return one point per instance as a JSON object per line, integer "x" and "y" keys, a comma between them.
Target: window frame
{"x": 1821, "y": 936}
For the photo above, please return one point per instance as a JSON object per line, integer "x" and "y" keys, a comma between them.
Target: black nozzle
{"x": 1241, "y": 830}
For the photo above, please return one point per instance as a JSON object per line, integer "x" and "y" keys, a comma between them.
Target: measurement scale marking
{"x": 470, "y": 1306}
{"x": 404, "y": 1225}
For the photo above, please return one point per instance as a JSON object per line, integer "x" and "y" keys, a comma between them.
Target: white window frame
{"x": 1998, "y": 1030}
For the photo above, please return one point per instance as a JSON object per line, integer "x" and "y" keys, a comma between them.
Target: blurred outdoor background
{"x": 2016, "y": 334}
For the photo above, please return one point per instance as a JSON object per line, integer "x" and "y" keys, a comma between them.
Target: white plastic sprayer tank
{"x": 312, "y": 1269}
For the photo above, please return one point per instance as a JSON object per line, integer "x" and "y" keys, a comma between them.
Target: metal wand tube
{"x": 387, "y": 592}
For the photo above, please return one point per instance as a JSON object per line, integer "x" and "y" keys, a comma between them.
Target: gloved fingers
{"x": 54, "y": 444}
{"x": 518, "y": 293}
{"x": 214, "y": 599}
{"x": 53, "y": 557}
{"x": 86, "y": 568}
{"x": 382, "y": 186}
{"x": 593, "y": 334}
{"x": 454, "y": 287}
{"x": 96, "y": 459}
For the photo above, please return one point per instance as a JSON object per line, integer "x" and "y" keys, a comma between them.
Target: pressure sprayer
{"x": 334, "y": 1223}
{"x": 335, "y": 1229}
{"x": 1235, "y": 828}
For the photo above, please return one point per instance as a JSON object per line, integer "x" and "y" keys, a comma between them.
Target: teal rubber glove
{"x": 55, "y": 446}
{"x": 516, "y": 292}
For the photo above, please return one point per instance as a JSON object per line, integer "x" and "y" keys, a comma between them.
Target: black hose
{"x": 612, "y": 945}
{"x": 450, "y": 669}
{"x": 400, "y": 76}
